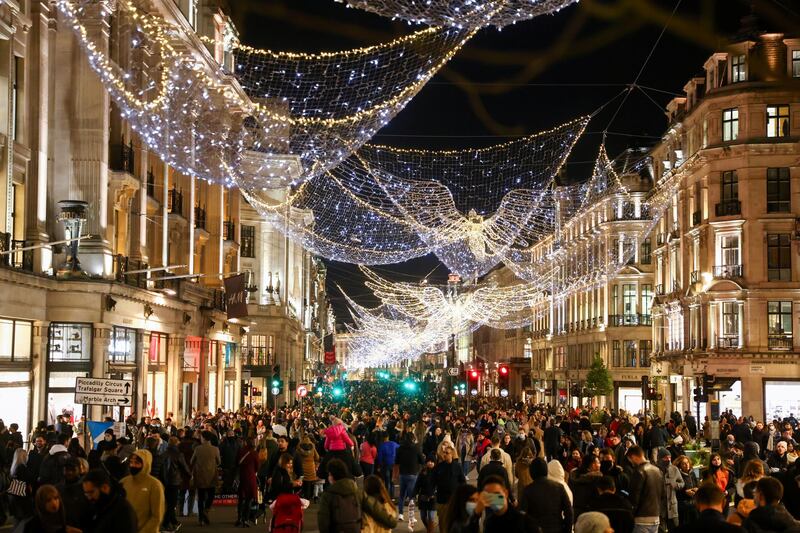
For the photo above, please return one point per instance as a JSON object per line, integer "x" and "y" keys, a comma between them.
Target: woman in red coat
{"x": 247, "y": 460}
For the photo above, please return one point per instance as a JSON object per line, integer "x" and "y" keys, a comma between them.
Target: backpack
{"x": 346, "y": 513}
{"x": 287, "y": 514}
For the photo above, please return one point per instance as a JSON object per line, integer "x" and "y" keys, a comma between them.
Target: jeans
{"x": 407, "y": 482}
{"x": 640, "y": 528}
{"x": 205, "y": 498}
{"x": 387, "y": 478}
{"x": 466, "y": 466}
{"x": 170, "y": 503}
{"x": 367, "y": 468}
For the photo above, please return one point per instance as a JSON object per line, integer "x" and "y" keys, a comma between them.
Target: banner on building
{"x": 236, "y": 296}
{"x": 330, "y": 350}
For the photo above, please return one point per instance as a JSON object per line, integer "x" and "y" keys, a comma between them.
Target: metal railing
{"x": 123, "y": 264}
{"x": 630, "y": 320}
{"x": 728, "y": 342}
{"x": 661, "y": 238}
{"x": 660, "y": 289}
{"x": 779, "y": 342}
{"x": 629, "y": 213}
{"x": 230, "y": 230}
{"x": 21, "y": 260}
{"x": 121, "y": 157}
{"x": 218, "y": 300}
{"x": 728, "y": 208}
{"x": 694, "y": 277}
{"x": 728, "y": 271}
{"x": 199, "y": 218}
{"x": 257, "y": 356}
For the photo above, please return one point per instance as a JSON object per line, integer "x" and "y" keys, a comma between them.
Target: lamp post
{"x": 73, "y": 215}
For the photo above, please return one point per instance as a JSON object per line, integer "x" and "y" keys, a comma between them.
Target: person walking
{"x": 306, "y": 461}
{"x": 342, "y": 505}
{"x": 646, "y": 492}
{"x": 108, "y": 510}
{"x": 247, "y": 465}
{"x": 387, "y": 454}
{"x": 144, "y": 492}
{"x": 173, "y": 473}
{"x": 409, "y": 459}
{"x": 49, "y": 515}
{"x": 205, "y": 461}
{"x": 546, "y": 500}
{"x": 447, "y": 476}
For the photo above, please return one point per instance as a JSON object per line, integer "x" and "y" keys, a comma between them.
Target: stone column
{"x": 39, "y": 372}
{"x": 174, "y": 379}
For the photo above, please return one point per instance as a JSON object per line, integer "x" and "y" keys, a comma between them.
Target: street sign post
{"x": 102, "y": 391}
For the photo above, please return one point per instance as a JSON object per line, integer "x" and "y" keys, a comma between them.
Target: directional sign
{"x": 452, "y": 371}
{"x": 102, "y": 391}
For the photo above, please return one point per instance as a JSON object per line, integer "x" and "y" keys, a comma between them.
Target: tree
{"x": 598, "y": 379}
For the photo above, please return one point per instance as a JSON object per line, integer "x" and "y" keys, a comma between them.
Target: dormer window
{"x": 738, "y": 69}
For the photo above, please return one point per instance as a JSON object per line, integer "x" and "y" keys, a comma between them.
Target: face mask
{"x": 471, "y": 508}
{"x": 135, "y": 470}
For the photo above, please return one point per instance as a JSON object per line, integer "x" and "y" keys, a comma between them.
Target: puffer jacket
{"x": 306, "y": 459}
{"x": 646, "y": 491}
{"x": 336, "y": 438}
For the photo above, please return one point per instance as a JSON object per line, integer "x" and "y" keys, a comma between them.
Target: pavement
{"x": 223, "y": 519}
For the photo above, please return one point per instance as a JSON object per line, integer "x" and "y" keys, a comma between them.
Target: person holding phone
{"x": 501, "y": 517}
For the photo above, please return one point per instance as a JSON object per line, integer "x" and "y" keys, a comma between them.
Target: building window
{"x": 730, "y": 186}
{"x": 729, "y": 250}
{"x": 779, "y": 318}
{"x": 778, "y": 190}
{"x": 157, "y": 350}
{"x": 561, "y": 358}
{"x": 647, "y": 299}
{"x": 645, "y": 348}
{"x": 646, "y": 253}
{"x": 777, "y": 121}
{"x": 730, "y": 124}
{"x": 796, "y": 63}
{"x": 70, "y": 342}
{"x": 248, "y": 236}
{"x": 630, "y": 354}
{"x": 15, "y": 340}
{"x": 616, "y": 353}
{"x": 738, "y": 71}
{"x": 123, "y": 346}
{"x": 257, "y": 349}
{"x": 614, "y": 299}
{"x": 779, "y": 259}
{"x": 730, "y": 320}
{"x": 629, "y": 302}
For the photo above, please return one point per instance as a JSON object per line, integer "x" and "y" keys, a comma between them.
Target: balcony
{"x": 661, "y": 238}
{"x": 728, "y": 271}
{"x": 629, "y": 320}
{"x": 728, "y": 342}
{"x": 175, "y": 202}
{"x": 779, "y": 342}
{"x": 151, "y": 184}
{"x": 675, "y": 286}
{"x": 629, "y": 213}
{"x": 199, "y": 218}
{"x": 728, "y": 208}
{"x": 660, "y": 290}
{"x": 123, "y": 264}
{"x": 694, "y": 277}
{"x": 20, "y": 260}
{"x": 257, "y": 356}
{"x": 121, "y": 157}
{"x": 229, "y": 230}
{"x": 696, "y": 218}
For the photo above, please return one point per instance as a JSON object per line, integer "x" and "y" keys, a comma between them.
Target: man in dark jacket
{"x": 646, "y": 491}
{"x": 770, "y": 514}
{"x": 546, "y": 501}
{"x": 52, "y": 469}
{"x": 710, "y": 502}
{"x": 409, "y": 459}
{"x": 447, "y": 475}
{"x": 71, "y": 491}
{"x": 342, "y": 503}
{"x": 614, "y": 506}
{"x": 494, "y": 468}
{"x": 552, "y": 440}
{"x": 108, "y": 510}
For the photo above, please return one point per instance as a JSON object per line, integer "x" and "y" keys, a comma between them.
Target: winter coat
{"x": 387, "y": 453}
{"x": 673, "y": 482}
{"x": 425, "y": 490}
{"x": 175, "y": 470}
{"x": 447, "y": 477}
{"x": 115, "y": 515}
{"x": 465, "y": 445}
{"x": 494, "y": 468}
{"x": 584, "y": 488}
{"x": 410, "y": 459}
{"x": 146, "y": 495}
{"x": 770, "y": 518}
{"x": 507, "y": 463}
{"x": 342, "y": 494}
{"x": 205, "y": 461}
{"x": 247, "y": 464}
{"x": 306, "y": 460}
{"x": 548, "y": 503}
{"x": 368, "y": 453}
{"x": 371, "y": 525}
{"x": 647, "y": 491}
{"x": 336, "y": 438}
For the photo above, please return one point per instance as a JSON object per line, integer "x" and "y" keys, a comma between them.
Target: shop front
{"x": 16, "y": 342}
{"x": 123, "y": 363}
{"x": 781, "y": 398}
{"x": 628, "y": 396}
{"x": 154, "y": 398}
{"x": 190, "y": 397}
{"x": 69, "y": 356}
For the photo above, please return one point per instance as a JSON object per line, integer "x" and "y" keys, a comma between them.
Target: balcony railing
{"x": 728, "y": 271}
{"x": 728, "y": 208}
{"x": 675, "y": 286}
{"x": 629, "y": 213}
{"x": 121, "y": 157}
{"x": 696, "y": 217}
{"x": 199, "y": 218}
{"x": 630, "y": 320}
{"x": 660, "y": 290}
{"x": 230, "y": 230}
{"x": 122, "y": 264}
{"x": 779, "y": 342}
{"x": 21, "y": 260}
{"x": 151, "y": 184}
{"x": 728, "y": 342}
{"x": 257, "y": 356}
{"x": 175, "y": 200}
{"x": 694, "y": 277}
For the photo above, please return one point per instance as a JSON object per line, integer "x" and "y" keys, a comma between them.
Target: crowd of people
{"x": 380, "y": 457}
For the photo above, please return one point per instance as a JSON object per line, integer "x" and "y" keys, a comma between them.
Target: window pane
{"x": 70, "y": 342}
{"x": 22, "y": 340}
{"x": 6, "y": 338}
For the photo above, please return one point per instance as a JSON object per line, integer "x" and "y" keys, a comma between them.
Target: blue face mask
{"x": 471, "y": 508}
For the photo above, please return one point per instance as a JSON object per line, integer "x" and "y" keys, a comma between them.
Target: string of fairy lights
{"x": 291, "y": 130}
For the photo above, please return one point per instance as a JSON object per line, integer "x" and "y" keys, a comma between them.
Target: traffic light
{"x": 277, "y": 382}
{"x": 473, "y": 376}
{"x": 410, "y": 386}
{"x": 382, "y": 374}
{"x": 503, "y": 375}
{"x": 708, "y": 383}
{"x": 699, "y": 397}
{"x": 653, "y": 395}
{"x": 337, "y": 392}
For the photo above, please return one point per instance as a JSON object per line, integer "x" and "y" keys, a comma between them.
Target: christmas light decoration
{"x": 276, "y": 118}
{"x": 461, "y": 13}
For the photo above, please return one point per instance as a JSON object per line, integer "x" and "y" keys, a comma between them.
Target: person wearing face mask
{"x": 463, "y": 511}
{"x": 778, "y": 460}
{"x": 49, "y": 514}
{"x": 773, "y": 436}
{"x": 503, "y": 517}
{"x": 673, "y": 482}
{"x": 608, "y": 467}
{"x": 465, "y": 445}
{"x": 107, "y": 509}
{"x": 144, "y": 492}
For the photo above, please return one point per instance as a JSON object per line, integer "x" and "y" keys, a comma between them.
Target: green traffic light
{"x": 275, "y": 382}
{"x": 410, "y": 386}
{"x": 337, "y": 392}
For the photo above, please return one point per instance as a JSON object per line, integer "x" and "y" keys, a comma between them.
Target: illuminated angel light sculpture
{"x": 461, "y": 13}
{"x": 232, "y": 125}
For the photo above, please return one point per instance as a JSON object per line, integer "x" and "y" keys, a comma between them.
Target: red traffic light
{"x": 503, "y": 370}
{"x": 473, "y": 374}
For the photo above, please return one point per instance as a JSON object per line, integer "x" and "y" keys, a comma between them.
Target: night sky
{"x": 528, "y": 77}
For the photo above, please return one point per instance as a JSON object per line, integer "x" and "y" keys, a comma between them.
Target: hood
{"x": 751, "y": 449}
{"x": 344, "y": 487}
{"x": 56, "y": 448}
{"x": 555, "y": 471}
{"x": 305, "y": 449}
{"x": 147, "y": 461}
